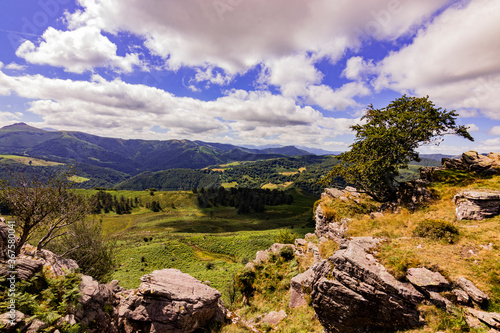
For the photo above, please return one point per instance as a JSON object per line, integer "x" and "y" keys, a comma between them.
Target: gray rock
{"x": 274, "y": 317}
{"x": 169, "y": 301}
{"x": 330, "y": 229}
{"x": 12, "y": 324}
{"x": 353, "y": 292}
{"x": 492, "y": 319}
{"x": 56, "y": 265}
{"x": 300, "y": 286}
{"x": 414, "y": 193}
{"x": 477, "y": 205}
{"x": 461, "y": 296}
{"x": 438, "y": 300}
{"x": 36, "y": 325}
{"x": 472, "y": 161}
{"x": 429, "y": 174}
{"x": 98, "y": 305}
{"x": 263, "y": 256}
{"x": 474, "y": 292}
{"x": 424, "y": 278}
{"x": 4, "y": 240}
{"x": 28, "y": 266}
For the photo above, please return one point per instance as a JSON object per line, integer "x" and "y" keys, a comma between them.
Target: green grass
{"x": 210, "y": 244}
{"x": 78, "y": 179}
{"x": 26, "y": 160}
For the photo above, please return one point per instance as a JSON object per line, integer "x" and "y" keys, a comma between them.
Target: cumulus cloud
{"x": 235, "y": 35}
{"x": 495, "y": 130}
{"x": 297, "y": 77}
{"x": 357, "y": 68}
{"x": 454, "y": 59}
{"x": 77, "y": 51}
{"x": 116, "y": 108}
{"x": 15, "y": 67}
{"x": 9, "y": 117}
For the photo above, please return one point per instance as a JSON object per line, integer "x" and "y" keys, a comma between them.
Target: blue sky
{"x": 286, "y": 72}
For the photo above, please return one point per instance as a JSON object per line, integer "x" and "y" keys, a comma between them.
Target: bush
{"x": 287, "y": 253}
{"x": 85, "y": 244}
{"x": 437, "y": 230}
{"x": 285, "y": 237}
{"x": 244, "y": 282}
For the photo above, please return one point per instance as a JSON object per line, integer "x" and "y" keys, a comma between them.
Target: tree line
{"x": 245, "y": 200}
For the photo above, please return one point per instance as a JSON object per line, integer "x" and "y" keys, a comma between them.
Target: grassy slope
{"x": 210, "y": 244}
{"x": 468, "y": 257}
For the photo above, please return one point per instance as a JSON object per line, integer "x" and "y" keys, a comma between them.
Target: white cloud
{"x": 77, "y": 51}
{"x": 339, "y": 99}
{"x": 473, "y": 128}
{"x": 15, "y": 67}
{"x": 118, "y": 109}
{"x": 495, "y": 130}
{"x": 9, "y": 117}
{"x": 454, "y": 60}
{"x": 236, "y": 35}
{"x": 356, "y": 68}
{"x": 209, "y": 74}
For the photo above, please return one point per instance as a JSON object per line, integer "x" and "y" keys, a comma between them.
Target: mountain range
{"x": 128, "y": 156}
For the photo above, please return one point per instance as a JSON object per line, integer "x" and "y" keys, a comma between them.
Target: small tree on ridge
{"x": 388, "y": 140}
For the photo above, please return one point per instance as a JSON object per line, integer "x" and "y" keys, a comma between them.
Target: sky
{"x": 247, "y": 72}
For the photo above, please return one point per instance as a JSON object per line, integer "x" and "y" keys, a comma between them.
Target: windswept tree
{"x": 42, "y": 208}
{"x": 387, "y": 140}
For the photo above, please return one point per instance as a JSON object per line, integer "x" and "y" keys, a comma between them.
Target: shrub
{"x": 285, "y": 237}
{"x": 244, "y": 282}
{"x": 287, "y": 253}
{"x": 437, "y": 230}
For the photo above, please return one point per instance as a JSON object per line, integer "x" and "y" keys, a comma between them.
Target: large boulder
{"x": 426, "y": 279}
{"x": 414, "y": 193}
{"x": 474, "y": 292}
{"x": 472, "y": 161}
{"x": 325, "y": 227}
{"x": 353, "y": 292}
{"x": 477, "y": 204}
{"x": 98, "y": 306}
{"x": 169, "y": 301}
{"x": 300, "y": 286}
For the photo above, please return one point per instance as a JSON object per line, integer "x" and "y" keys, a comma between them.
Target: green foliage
{"x": 285, "y": 237}
{"x": 398, "y": 261}
{"x": 437, "y": 230}
{"x": 86, "y": 244}
{"x": 45, "y": 207}
{"x": 287, "y": 253}
{"x": 244, "y": 199}
{"x": 46, "y": 298}
{"x": 388, "y": 140}
{"x": 244, "y": 282}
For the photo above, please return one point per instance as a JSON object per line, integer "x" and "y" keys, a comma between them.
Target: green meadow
{"x": 211, "y": 244}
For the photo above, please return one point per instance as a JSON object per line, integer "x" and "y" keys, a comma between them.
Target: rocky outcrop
{"x": 273, "y": 317}
{"x": 300, "y": 286}
{"x": 325, "y": 227}
{"x": 166, "y": 301}
{"x": 169, "y": 301}
{"x": 472, "y": 291}
{"x": 98, "y": 302}
{"x": 353, "y": 292}
{"x": 491, "y": 319}
{"x": 414, "y": 193}
{"x": 477, "y": 204}
{"x": 428, "y": 280}
{"x": 472, "y": 161}
{"x": 263, "y": 256}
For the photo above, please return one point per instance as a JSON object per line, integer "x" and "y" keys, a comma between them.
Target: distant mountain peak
{"x": 21, "y": 127}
